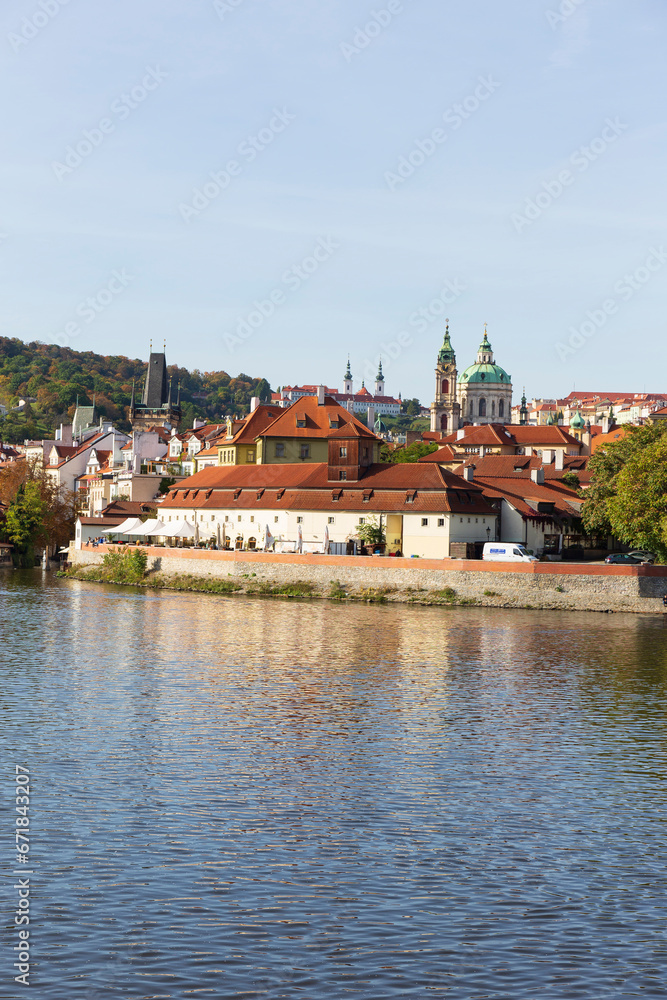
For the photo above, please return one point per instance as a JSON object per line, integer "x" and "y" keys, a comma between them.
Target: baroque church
{"x": 482, "y": 394}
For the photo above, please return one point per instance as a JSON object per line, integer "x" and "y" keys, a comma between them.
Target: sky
{"x": 269, "y": 186}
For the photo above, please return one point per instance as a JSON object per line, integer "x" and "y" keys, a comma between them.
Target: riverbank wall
{"x": 562, "y": 586}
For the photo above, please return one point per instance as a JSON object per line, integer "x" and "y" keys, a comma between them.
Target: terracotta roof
{"x": 317, "y": 419}
{"x": 254, "y": 425}
{"x": 617, "y": 434}
{"x": 519, "y": 492}
{"x": 404, "y": 487}
{"x": 207, "y": 453}
{"x": 445, "y": 454}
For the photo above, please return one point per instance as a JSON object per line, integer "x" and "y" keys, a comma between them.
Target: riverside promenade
{"x": 566, "y": 586}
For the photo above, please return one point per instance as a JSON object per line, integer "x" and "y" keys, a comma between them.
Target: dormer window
{"x": 237, "y": 494}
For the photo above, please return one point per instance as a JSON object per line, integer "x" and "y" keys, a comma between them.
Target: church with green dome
{"x": 481, "y": 394}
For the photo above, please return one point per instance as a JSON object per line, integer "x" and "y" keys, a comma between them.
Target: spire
{"x": 485, "y": 353}
{"x": 380, "y": 376}
{"x": 447, "y": 355}
{"x": 132, "y": 396}
{"x": 523, "y": 412}
{"x": 348, "y": 373}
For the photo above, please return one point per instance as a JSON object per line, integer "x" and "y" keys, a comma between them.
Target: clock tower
{"x": 445, "y": 410}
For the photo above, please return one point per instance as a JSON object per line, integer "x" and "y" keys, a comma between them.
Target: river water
{"x": 247, "y": 798}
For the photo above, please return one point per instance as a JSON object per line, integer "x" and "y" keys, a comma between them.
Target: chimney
{"x": 370, "y": 417}
{"x": 606, "y": 425}
{"x": 254, "y": 403}
{"x": 461, "y": 432}
{"x": 482, "y": 450}
{"x": 469, "y": 473}
{"x": 558, "y": 461}
{"x": 537, "y": 475}
{"x": 320, "y": 395}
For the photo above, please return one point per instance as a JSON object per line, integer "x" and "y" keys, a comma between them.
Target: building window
{"x": 424, "y": 522}
{"x": 362, "y": 520}
{"x": 342, "y": 476}
{"x": 343, "y": 452}
{"x": 252, "y": 520}
{"x": 305, "y": 451}
{"x": 301, "y": 423}
{"x": 280, "y": 449}
{"x": 275, "y": 520}
{"x": 299, "y": 520}
{"x": 226, "y": 518}
{"x": 331, "y": 520}
{"x": 482, "y": 407}
{"x": 445, "y": 387}
{"x": 250, "y": 456}
{"x": 501, "y": 408}
{"x": 239, "y": 518}
{"x": 441, "y": 522}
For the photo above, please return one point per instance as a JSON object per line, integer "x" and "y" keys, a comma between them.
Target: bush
{"x": 125, "y": 566}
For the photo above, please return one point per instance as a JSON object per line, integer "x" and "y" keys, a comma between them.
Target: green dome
{"x": 485, "y": 374}
{"x": 578, "y": 422}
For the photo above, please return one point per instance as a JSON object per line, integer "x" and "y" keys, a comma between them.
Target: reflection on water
{"x": 247, "y": 798}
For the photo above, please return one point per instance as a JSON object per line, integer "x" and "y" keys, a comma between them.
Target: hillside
{"x": 55, "y": 376}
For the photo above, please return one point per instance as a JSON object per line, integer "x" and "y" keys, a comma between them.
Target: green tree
{"x": 24, "y": 523}
{"x": 638, "y": 509}
{"x": 414, "y": 452}
{"x": 606, "y": 465}
{"x": 371, "y": 532}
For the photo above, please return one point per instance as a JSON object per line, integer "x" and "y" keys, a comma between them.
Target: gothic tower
{"x": 445, "y": 410}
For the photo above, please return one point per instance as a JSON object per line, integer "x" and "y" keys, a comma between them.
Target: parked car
{"x": 643, "y": 555}
{"x": 624, "y": 557}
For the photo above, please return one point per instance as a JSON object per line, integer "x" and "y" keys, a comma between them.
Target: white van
{"x": 506, "y": 552}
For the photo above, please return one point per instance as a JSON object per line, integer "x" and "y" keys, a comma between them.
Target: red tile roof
{"x": 317, "y": 420}
{"x": 301, "y": 486}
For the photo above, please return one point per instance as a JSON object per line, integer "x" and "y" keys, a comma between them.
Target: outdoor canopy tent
{"x": 182, "y": 529}
{"x": 143, "y": 528}
{"x": 125, "y": 528}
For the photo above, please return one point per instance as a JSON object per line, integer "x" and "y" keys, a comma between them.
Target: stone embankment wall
{"x": 579, "y": 587}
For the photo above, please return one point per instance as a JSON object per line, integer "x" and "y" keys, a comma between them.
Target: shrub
{"x": 125, "y": 566}
{"x": 336, "y": 591}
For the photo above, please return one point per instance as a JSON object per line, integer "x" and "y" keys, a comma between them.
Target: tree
{"x": 571, "y": 479}
{"x": 638, "y": 510}
{"x": 58, "y": 509}
{"x": 372, "y": 532}
{"x": 628, "y": 493}
{"x": 414, "y": 452}
{"x": 24, "y": 523}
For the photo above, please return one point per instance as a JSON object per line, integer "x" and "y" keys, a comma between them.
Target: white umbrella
{"x": 268, "y": 539}
{"x": 299, "y": 537}
{"x": 218, "y": 535}
{"x": 124, "y": 528}
{"x": 325, "y": 545}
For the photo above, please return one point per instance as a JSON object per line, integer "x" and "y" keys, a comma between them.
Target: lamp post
{"x": 488, "y": 534}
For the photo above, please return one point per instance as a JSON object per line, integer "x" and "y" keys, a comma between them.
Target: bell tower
{"x": 445, "y": 410}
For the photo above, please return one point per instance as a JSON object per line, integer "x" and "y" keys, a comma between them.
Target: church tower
{"x": 348, "y": 390}
{"x": 445, "y": 410}
{"x": 379, "y": 381}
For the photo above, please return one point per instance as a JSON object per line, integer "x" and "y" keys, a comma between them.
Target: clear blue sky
{"x": 316, "y": 117}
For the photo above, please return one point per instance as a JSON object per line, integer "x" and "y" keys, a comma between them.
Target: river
{"x": 253, "y": 798}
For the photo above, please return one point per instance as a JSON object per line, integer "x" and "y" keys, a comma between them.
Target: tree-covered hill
{"x": 54, "y": 376}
